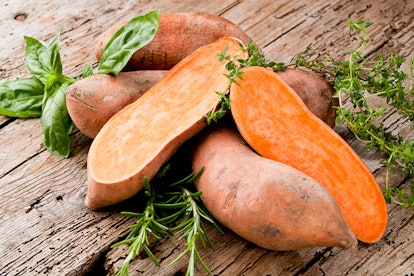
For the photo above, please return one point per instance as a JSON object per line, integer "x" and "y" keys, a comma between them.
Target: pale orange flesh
{"x": 139, "y": 139}
{"x": 276, "y": 123}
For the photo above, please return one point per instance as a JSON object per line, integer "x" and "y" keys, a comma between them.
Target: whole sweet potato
{"x": 93, "y": 100}
{"x": 266, "y": 202}
{"x": 177, "y": 37}
{"x": 315, "y": 91}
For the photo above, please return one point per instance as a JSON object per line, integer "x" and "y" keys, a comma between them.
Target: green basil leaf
{"x": 87, "y": 71}
{"x": 43, "y": 59}
{"x": 21, "y": 98}
{"x": 55, "y": 120}
{"x": 137, "y": 33}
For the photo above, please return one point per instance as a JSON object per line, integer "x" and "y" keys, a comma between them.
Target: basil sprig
{"x": 137, "y": 33}
{"x": 44, "y": 95}
{"x": 21, "y": 98}
{"x": 43, "y": 61}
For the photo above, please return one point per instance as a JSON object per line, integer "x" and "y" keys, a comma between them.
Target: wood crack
{"x": 7, "y": 121}
{"x": 317, "y": 259}
{"x": 36, "y": 201}
{"x": 284, "y": 33}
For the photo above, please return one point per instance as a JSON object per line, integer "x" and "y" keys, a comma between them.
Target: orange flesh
{"x": 139, "y": 139}
{"x": 276, "y": 123}
{"x": 142, "y": 130}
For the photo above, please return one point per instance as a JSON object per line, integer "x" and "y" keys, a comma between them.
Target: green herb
{"x": 233, "y": 66}
{"x": 172, "y": 209}
{"x": 43, "y": 61}
{"x": 87, "y": 71}
{"x": 55, "y": 120}
{"x": 147, "y": 225}
{"x": 21, "y": 98}
{"x": 358, "y": 79}
{"x": 190, "y": 215}
{"x": 43, "y": 95}
{"x": 355, "y": 80}
{"x": 135, "y": 34}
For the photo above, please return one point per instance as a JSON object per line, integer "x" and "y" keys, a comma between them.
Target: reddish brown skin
{"x": 264, "y": 201}
{"x": 92, "y": 101}
{"x": 178, "y": 36}
{"x": 315, "y": 91}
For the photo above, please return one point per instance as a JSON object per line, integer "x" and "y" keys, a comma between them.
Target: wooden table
{"x": 45, "y": 227}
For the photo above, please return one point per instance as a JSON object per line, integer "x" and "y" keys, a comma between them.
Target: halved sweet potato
{"x": 140, "y": 138}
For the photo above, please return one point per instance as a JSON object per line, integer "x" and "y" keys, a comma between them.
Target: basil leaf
{"x": 137, "y": 33}
{"x": 21, "y": 98}
{"x": 87, "y": 71}
{"x": 55, "y": 120}
{"x": 43, "y": 59}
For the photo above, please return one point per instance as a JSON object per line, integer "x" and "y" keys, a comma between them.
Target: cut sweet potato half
{"x": 279, "y": 126}
{"x": 140, "y": 138}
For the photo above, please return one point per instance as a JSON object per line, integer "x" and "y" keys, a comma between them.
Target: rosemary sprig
{"x": 191, "y": 227}
{"x": 170, "y": 210}
{"x": 147, "y": 225}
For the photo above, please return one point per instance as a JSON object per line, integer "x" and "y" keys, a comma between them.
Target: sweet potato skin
{"x": 178, "y": 36}
{"x": 139, "y": 139}
{"x": 315, "y": 91}
{"x": 264, "y": 201}
{"x": 291, "y": 134}
{"x": 93, "y": 100}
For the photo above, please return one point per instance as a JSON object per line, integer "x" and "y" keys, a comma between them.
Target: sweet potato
{"x": 177, "y": 37}
{"x": 139, "y": 139}
{"x": 315, "y": 91}
{"x": 283, "y": 129}
{"x": 266, "y": 202}
{"x": 93, "y": 100}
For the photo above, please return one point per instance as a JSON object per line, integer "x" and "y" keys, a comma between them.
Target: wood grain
{"x": 45, "y": 227}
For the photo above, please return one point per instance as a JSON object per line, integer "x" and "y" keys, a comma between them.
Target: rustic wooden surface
{"x": 45, "y": 227}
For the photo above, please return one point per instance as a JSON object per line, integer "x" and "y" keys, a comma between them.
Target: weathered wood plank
{"x": 326, "y": 24}
{"x": 46, "y": 229}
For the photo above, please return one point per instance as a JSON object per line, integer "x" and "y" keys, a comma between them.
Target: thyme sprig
{"x": 359, "y": 78}
{"x": 173, "y": 209}
{"x": 355, "y": 80}
{"x": 233, "y": 66}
